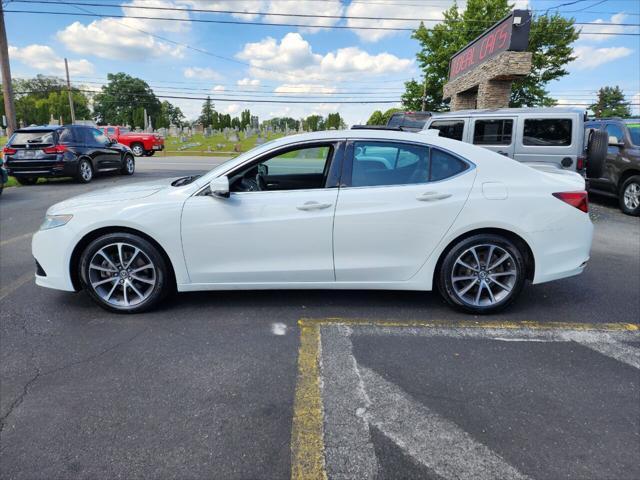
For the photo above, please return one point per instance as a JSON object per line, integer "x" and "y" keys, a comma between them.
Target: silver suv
{"x": 554, "y": 138}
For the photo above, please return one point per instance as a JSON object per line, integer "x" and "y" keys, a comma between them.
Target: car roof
{"x": 509, "y": 111}
{"x": 36, "y": 128}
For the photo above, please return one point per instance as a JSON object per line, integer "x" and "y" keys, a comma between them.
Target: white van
{"x": 541, "y": 137}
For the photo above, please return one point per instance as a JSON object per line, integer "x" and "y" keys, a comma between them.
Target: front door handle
{"x": 432, "y": 196}
{"x": 313, "y": 206}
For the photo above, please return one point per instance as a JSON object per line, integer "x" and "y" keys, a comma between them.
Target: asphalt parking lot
{"x": 317, "y": 384}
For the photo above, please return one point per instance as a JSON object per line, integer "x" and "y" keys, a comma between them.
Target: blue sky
{"x": 288, "y": 62}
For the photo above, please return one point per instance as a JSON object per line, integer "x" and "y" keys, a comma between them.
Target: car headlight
{"x": 53, "y": 221}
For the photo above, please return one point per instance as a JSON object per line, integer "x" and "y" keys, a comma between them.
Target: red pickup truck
{"x": 140, "y": 143}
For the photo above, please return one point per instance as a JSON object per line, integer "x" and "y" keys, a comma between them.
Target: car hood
{"x": 113, "y": 194}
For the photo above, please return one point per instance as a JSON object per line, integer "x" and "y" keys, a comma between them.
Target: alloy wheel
{"x": 85, "y": 171}
{"x": 130, "y": 165}
{"x": 632, "y": 196}
{"x": 122, "y": 275}
{"x": 484, "y": 275}
{"x": 137, "y": 150}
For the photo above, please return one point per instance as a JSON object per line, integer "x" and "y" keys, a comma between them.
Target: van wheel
{"x": 482, "y": 274}
{"x": 629, "y": 196}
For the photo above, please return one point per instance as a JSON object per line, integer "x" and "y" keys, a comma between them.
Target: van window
{"x": 547, "y": 132}
{"x": 615, "y": 131}
{"x": 492, "y": 132}
{"x": 452, "y": 129}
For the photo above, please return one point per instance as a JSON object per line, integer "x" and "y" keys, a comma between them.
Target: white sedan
{"x": 355, "y": 209}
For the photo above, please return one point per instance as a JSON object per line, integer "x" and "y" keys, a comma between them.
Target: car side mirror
{"x": 614, "y": 142}
{"x": 219, "y": 187}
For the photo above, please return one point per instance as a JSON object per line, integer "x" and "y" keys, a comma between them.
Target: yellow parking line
{"x": 607, "y": 327}
{"x": 15, "y": 239}
{"x": 307, "y": 444}
{"x": 16, "y": 284}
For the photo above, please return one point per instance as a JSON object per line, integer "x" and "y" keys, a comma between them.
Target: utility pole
{"x": 73, "y": 113}
{"x": 7, "y": 89}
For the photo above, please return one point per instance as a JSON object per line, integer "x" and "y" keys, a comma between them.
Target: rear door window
{"x": 389, "y": 163}
{"x": 615, "y": 131}
{"x": 547, "y": 132}
{"x": 452, "y": 129}
{"x": 493, "y": 132}
{"x": 66, "y": 136}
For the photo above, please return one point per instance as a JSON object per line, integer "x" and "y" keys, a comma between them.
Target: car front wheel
{"x": 124, "y": 273}
{"x": 630, "y": 196}
{"x": 482, "y": 274}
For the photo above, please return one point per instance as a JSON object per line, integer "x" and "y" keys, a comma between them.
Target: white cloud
{"x": 305, "y": 7}
{"x": 232, "y": 108}
{"x": 219, "y": 88}
{"x": 293, "y": 59}
{"x": 303, "y": 88}
{"x": 588, "y": 58}
{"x": 390, "y": 8}
{"x": 201, "y": 73}
{"x": 248, "y": 82}
{"x": 597, "y": 27}
{"x": 124, "y": 38}
{"x": 44, "y": 59}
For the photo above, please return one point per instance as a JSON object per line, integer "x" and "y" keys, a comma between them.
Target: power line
{"x": 276, "y": 14}
{"x": 238, "y": 22}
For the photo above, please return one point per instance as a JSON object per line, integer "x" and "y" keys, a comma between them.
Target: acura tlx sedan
{"x": 356, "y": 209}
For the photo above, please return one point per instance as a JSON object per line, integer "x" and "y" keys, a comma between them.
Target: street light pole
{"x": 7, "y": 88}
{"x": 73, "y": 113}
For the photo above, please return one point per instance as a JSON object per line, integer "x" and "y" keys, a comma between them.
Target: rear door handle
{"x": 313, "y": 206}
{"x": 432, "y": 196}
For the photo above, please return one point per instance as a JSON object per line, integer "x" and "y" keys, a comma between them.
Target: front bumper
{"x": 50, "y": 250}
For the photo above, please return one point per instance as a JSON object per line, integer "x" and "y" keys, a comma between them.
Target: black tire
{"x": 149, "y": 153}
{"x": 597, "y": 153}
{"x": 27, "y": 180}
{"x": 116, "y": 302}
{"x": 626, "y": 196}
{"x": 129, "y": 165}
{"x": 85, "y": 171}
{"x": 466, "y": 302}
{"x": 137, "y": 149}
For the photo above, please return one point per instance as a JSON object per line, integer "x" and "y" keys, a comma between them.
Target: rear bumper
{"x": 158, "y": 146}
{"x": 564, "y": 252}
{"x": 42, "y": 168}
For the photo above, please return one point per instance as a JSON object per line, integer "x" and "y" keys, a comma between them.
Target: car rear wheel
{"x": 137, "y": 149}
{"x": 630, "y": 196}
{"x": 27, "y": 180}
{"x": 85, "y": 171}
{"x": 482, "y": 274}
{"x": 149, "y": 153}
{"x": 124, "y": 273}
{"x": 129, "y": 166}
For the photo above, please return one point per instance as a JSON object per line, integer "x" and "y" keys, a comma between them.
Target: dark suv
{"x": 74, "y": 151}
{"x": 621, "y": 171}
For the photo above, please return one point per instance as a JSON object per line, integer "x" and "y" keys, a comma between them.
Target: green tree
{"x": 206, "y": 116}
{"x": 611, "y": 103}
{"x": 170, "y": 115}
{"x": 123, "y": 100}
{"x": 379, "y": 118}
{"x": 550, "y": 42}
{"x": 313, "y": 123}
{"x": 335, "y": 121}
{"x": 245, "y": 119}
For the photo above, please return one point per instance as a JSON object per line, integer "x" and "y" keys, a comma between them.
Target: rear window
{"x": 452, "y": 129}
{"x": 547, "y": 132}
{"x": 410, "y": 120}
{"x": 39, "y": 137}
{"x": 492, "y": 132}
{"x": 124, "y": 130}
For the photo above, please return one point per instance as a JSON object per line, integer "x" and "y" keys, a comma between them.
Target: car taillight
{"x": 55, "y": 149}
{"x": 580, "y": 200}
{"x": 9, "y": 151}
{"x": 581, "y": 163}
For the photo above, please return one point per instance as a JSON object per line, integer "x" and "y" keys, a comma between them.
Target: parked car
{"x": 409, "y": 121}
{"x": 141, "y": 144}
{"x": 64, "y": 151}
{"x": 354, "y": 209}
{"x": 540, "y": 137}
{"x": 621, "y": 173}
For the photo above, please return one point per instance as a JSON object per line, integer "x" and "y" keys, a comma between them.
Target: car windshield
{"x": 25, "y": 138}
{"x": 634, "y": 131}
{"x": 123, "y": 131}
